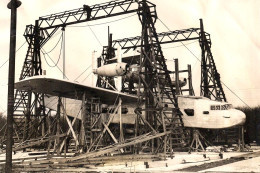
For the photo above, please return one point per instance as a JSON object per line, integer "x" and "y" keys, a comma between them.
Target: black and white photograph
{"x": 129, "y": 86}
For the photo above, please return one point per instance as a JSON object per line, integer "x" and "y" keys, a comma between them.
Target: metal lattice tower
{"x": 211, "y": 86}
{"x": 29, "y": 110}
{"x": 158, "y": 89}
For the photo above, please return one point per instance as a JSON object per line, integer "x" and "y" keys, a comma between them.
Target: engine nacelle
{"x": 112, "y": 70}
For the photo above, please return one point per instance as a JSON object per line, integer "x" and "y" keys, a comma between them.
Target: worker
{"x": 88, "y": 10}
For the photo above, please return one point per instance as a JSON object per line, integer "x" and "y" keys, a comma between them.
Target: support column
{"x": 119, "y": 78}
{"x": 58, "y": 123}
{"x": 204, "y": 71}
{"x": 93, "y": 64}
{"x": 83, "y": 118}
{"x": 13, "y": 5}
{"x": 121, "y": 137}
{"x": 177, "y": 77}
{"x": 191, "y": 92}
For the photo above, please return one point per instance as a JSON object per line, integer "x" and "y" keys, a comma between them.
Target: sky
{"x": 233, "y": 25}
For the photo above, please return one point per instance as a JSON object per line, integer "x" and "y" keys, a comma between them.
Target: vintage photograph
{"x": 115, "y": 86}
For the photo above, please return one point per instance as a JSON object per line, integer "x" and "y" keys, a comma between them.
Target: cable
{"x": 95, "y": 36}
{"x": 104, "y": 22}
{"x": 57, "y": 65}
{"x": 181, "y": 42}
{"x": 4, "y": 63}
{"x": 55, "y": 34}
{"x": 87, "y": 77}
{"x": 20, "y": 46}
{"x": 59, "y": 54}
{"x": 179, "y": 45}
{"x": 16, "y": 51}
{"x": 83, "y": 72}
{"x": 235, "y": 95}
{"x": 200, "y": 61}
{"x": 55, "y": 45}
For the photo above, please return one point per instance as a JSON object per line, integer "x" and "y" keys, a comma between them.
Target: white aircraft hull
{"x": 198, "y": 112}
{"x": 209, "y": 114}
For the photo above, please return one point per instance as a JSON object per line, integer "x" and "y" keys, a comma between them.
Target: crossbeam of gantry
{"x": 98, "y": 11}
{"x": 164, "y": 38}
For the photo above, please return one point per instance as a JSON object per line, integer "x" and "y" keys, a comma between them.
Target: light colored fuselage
{"x": 201, "y": 112}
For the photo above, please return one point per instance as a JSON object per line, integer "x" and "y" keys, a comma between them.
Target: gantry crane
{"x": 155, "y": 78}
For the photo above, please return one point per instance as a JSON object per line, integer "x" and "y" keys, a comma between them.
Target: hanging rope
{"x": 55, "y": 45}
{"x": 44, "y": 53}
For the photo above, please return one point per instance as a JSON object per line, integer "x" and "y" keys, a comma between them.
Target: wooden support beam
{"x": 97, "y": 140}
{"x": 121, "y": 137}
{"x": 83, "y": 119}
{"x": 191, "y": 91}
{"x": 68, "y": 132}
{"x": 70, "y": 126}
{"x": 112, "y": 136}
{"x": 146, "y": 122}
{"x": 38, "y": 141}
{"x": 129, "y": 142}
{"x": 165, "y": 137}
{"x": 178, "y": 91}
{"x": 57, "y": 141}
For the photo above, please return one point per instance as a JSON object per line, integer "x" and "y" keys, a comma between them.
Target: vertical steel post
{"x": 204, "y": 71}
{"x": 177, "y": 77}
{"x": 13, "y": 5}
{"x": 58, "y": 123}
{"x": 191, "y": 91}
{"x": 64, "y": 60}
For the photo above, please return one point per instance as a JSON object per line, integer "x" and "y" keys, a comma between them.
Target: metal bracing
{"x": 88, "y": 13}
{"x": 164, "y": 38}
{"x": 39, "y": 34}
{"x": 161, "y": 109}
{"x": 29, "y": 110}
{"x": 211, "y": 86}
{"x": 179, "y": 89}
{"x": 155, "y": 78}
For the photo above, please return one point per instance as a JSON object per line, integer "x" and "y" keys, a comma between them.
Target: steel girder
{"x": 89, "y": 13}
{"x": 163, "y": 38}
{"x": 211, "y": 86}
{"x": 32, "y": 104}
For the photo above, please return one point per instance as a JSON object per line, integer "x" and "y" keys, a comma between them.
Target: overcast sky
{"x": 233, "y": 25}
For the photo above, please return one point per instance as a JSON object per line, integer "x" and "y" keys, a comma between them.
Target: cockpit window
{"x": 189, "y": 112}
{"x": 221, "y": 107}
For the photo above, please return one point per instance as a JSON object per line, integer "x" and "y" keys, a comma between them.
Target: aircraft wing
{"x": 73, "y": 90}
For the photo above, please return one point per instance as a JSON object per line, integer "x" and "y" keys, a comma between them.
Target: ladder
{"x": 160, "y": 96}
{"x": 21, "y": 105}
{"x": 91, "y": 120}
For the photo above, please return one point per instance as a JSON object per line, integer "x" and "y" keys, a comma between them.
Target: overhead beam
{"x": 164, "y": 38}
{"x": 89, "y": 13}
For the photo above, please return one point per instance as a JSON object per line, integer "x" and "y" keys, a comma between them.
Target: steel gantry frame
{"x": 155, "y": 78}
{"x": 211, "y": 86}
{"x": 30, "y": 106}
{"x": 158, "y": 92}
{"x": 29, "y": 110}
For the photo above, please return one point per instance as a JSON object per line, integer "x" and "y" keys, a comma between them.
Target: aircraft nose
{"x": 242, "y": 117}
